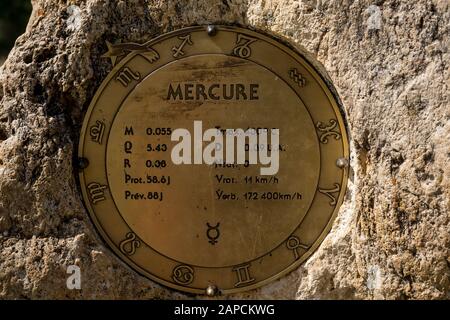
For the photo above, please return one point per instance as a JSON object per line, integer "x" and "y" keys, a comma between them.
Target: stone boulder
{"x": 389, "y": 62}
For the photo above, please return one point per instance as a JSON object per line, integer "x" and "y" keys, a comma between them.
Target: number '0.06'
{"x": 155, "y": 163}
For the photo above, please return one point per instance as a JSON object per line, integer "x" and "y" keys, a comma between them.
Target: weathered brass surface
{"x": 209, "y": 228}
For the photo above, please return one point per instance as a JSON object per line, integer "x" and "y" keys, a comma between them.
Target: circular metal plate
{"x": 225, "y": 225}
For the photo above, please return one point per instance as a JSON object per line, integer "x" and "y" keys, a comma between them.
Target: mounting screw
{"x": 212, "y": 30}
{"x": 342, "y": 163}
{"x": 83, "y": 163}
{"x": 211, "y": 291}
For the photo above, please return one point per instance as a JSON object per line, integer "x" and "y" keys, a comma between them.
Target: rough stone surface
{"x": 389, "y": 62}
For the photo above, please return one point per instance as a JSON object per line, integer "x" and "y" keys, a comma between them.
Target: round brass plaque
{"x": 160, "y": 184}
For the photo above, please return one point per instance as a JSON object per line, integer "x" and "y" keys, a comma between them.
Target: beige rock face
{"x": 389, "y": 63}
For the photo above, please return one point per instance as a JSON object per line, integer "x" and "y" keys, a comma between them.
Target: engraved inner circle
{"x": 211, "y": 215}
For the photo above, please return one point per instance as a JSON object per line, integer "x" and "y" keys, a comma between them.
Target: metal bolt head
{"x": 83, "y": 163}
{"x": 342, "y": 163}
{"x": 211, "y": 290}
{"x": 212, "y": 30}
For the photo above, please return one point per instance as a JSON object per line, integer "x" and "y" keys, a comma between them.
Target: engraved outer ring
{"x": 111, "y": 239}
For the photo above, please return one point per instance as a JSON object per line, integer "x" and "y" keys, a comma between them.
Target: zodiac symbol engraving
{"x": 328, "y": 131}
{"x": 118, "y": 51}
{"x": 130, "y": 244}
{"x": 96, "y": 192}
{"x": 329, "y": 193}
{"x": 96, "y": 131}
{"x": 293, "y": 243}
{"x": 297, "y": 77}
{"x": 213, "y": 233}
{"x": 243, "y": 275}
{"x": 183, "y": 274}
{"x": 178, "y": 51}
{"x": 126, "y": 75}
{"x": 243, "y": 49}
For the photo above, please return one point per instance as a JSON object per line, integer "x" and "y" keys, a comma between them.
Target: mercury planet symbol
{"x": 213, "y": 233}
